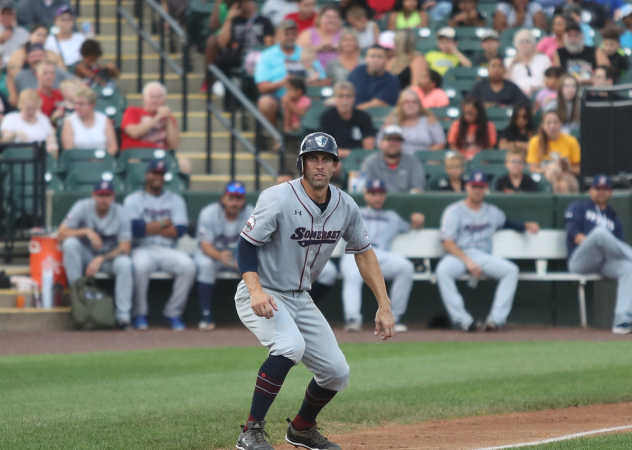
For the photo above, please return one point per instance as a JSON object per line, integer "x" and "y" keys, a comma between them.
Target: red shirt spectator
{"x": 306, "y": 15}
{"x": 50, "y": 102}
{"x": 381, "y": 6}
{"x": 301, "y": 25}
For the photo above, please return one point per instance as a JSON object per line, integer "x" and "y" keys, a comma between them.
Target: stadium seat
{"x": 135, "y": 179}
{"x": 433, "y": 182}
{"x": 466, "y": 73}
{"x": 490, "y": 162}
{"x": 143, "y": 156}
{"x": 83, "y": 179}
{"x": 353, "y": 162}
{"x": 432, "y": 156}
{"x": 311, "y": 120}
{"x": 455, "y": 96}
{"x": 499, "y": 113}
{"x": 78, "y": 158}
{"x": 53, "y": 182}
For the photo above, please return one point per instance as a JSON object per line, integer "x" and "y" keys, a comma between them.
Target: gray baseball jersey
{"x": 144, "y": 206}
{"x": 115, "y": 227}
{"x": 471, "y": 229}
{"x": 296, "y": 239}
{"x": 383, "y": 226}
{"x": 214, "y": 228}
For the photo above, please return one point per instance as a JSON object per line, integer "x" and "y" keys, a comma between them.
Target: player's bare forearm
{"x": 66, "y": 232}
{"x": 372, "y": 276}
{"x": 452, "y": 248}
{"x": 170, "y": 232}
{"x": 262, "y": 304}
{"x": 210, "y": 250}
{"x": 156, "y": 227}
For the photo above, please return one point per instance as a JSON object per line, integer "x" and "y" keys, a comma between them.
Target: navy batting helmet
{"x": 317, "y": 142}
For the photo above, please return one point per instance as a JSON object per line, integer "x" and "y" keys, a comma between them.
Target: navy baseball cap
{"x": 478, "y": 178}
{"x": 34, "y": 47}
{"x": 63, "y": 10}
{"x": 602, "y": 182}
{"x": 157, "y": 165}
{"x": 103, "y": 187}
{"x": 235, "y": 188}
{"x": 376, "y": 185}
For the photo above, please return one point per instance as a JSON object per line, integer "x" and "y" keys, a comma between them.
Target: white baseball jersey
{"x": 469, "y": 228}
{"x": 296, "y": 239}
{"x": 383, "y": 226}
{"x": 115, "y": 227}
{"x": 214, "y": 228}
{"x": 141, "y": 205}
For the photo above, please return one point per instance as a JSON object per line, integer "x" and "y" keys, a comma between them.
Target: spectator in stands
{"x": 312, "y": 72}
{"x": 555, "y": 154}
{"x": 325, "y": 36}
{"x": 277, "y": 10}
{"x": 159, "y": 217}
{"x": 574, "y": 12}
{"x": 612, "y": 7}
{"x": 89, "y": 69}
{"x": 407, "y": 64}
{"x": 521, "y": 128}
{"x": 596, "y": 244}
{"x": 527, "y": 67}
{"x": 305, "y": 17}
{"x": 348, "y": 57}
{"x": 367, "y": 30}
{"x": 86, "y": 128}
{"x": 69, "y": 89}
{"x": 218, "y": 228}
{"x": 407, "y": 14}
{"x": 519, "y": 14}
{"x": 612, "y": 48}
{"x": 467, "y": 229}
{"x": 67, "y": 42}
{"x": 212, "y": 48}
{"x": 12, "y": 37}
{"x": 29, "y": 124}
{"x": 465, "y": 13}
{"x": 5, "y": 106}
{"x": 28, "y": 78}
{"x": 372, "y": 9}
{"x": 374, "y": 85}
{"x": 472, "y": 133}
{"x": 31, "y": 12}
{"x": 454, "y": 181}
{"x": 626, "y": 19}
{"x": 549, "y": 44}
{"x": 420, "y": 128}
{"x": 400, "y": 172}
{"x": 96, "y": 236}
{"x": 349, "y": 126}
{"x": 515, "y": 180}
{"x": 295, "y": 104}
{"x": 490, "y": 42}
{"x": 429, "y": 90}
{"x": 605, "y": 76}
{"x": 548, "y": 94}
{"x": 567, "y": 104}
{"x": 495, "y": 90}
{"x": 284, "y": 176}
{"x": 448, "y": 55}
{"x": 578, "y": 59}
{"x": 51, "y": 97}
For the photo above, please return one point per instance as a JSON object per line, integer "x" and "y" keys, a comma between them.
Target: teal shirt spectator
{"x": 588, "y": 39}
{"x": 626, "y": 39}
{"x": 274, "y": 65}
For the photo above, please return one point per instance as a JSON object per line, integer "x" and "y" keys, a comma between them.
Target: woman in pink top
{"x": 429, "y": 90}
{"x": 324, "y": 37}
{"x": 549, "y": 45}
{"x": 472, "y": 132}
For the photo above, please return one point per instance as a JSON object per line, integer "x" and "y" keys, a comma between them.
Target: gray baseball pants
{"x": 156, "y": 258}
{"x": 394, "y": 267}
{"x": 207, "y": 267}
{"x": 77, "y": 256}
{"x": 450, "y": 268}
{"x": 603, "y": 253}
{"x": 298, "y": 331}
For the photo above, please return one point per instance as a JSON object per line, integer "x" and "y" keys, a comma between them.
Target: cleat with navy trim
{"x": 310, "y": 438}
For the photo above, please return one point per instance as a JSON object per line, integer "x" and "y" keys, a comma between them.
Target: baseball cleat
{"x": 206, "y": 325}
{"x": 491, "y": 327}
{"x": 310, "y": 438}
{"x": 400, "y": 328}
{"x": 622, "y": 328}
{"x": 140, "y": 323}
{"x": 473, "y": 327}
{"x": 254, "y": 438}
{"x": 353, "y": 326}
{"x": 175, "y": 323}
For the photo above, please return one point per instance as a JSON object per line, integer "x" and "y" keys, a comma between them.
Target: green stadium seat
{"x": 433, "y": 182}
{"x": 143, "y": 156}
{"x": 465, "y": 73}
{"x": 83, "y": 179}
{"x": 78, "y": 158}
{"x": 135, "y": 179}
{"x": 380, "y": 113}
{"x": 433, "y": 170}
{"x": 469, "y": 33}
{"x": 455, "y": 96}
{"x": 311, "y": 119}
{"x": 432, "y": 156}
{"x": 53, "y": 182}
{"x": 490, "y": 162}
{"x": 201, "y": 6}
{"x": 498, "y": 113}
{"x": 463, "y": 86}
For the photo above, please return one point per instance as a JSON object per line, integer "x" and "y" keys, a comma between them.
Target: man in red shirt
{"x": 51, "y": 98}
{"x": 305, "y": 16}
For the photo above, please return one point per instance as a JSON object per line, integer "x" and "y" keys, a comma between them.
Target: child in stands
{"x": 295, "y": 104}
{"x": 89, "y": 69}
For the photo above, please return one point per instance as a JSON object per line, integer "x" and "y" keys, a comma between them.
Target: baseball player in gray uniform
{"x": 159, "y": 218}
{"x": 467, "y": 229}
{"x": 96, "y": 235}
{"x": 283, "y": 248}
{"x": 218, "y": 228}
{"x": 383, "y": 227}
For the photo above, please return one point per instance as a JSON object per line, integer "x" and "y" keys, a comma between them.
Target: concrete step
{"x": 8, "y": 297}
{"x": 106, "y": 7}
{"x": 220, "y": 162}
{"x": 218, "y": 182}
{"x": 196, "y": 101}
{"x": 151, "y": 61}
{"x": 127, "y": 81}
{"x": 31, "y": 319}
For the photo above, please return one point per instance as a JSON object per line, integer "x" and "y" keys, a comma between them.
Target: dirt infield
{"x": 31, "y": 343}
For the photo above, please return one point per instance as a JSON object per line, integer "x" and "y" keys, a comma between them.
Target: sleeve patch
{"x": 250, "y": 225}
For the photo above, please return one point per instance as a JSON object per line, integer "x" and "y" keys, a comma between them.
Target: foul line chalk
{"x": 558, "y": 439}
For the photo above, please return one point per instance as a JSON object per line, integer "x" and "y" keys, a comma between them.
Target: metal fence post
{"x": 119, "y": 31}
{"x": 139, "y": 64}
{"x": 258, "y": 137}
{"x": 209, "y": 121}
{"x": 97, "y": 16}
{"x": 232, "y": 136}
{"x": 185, "y": 85}
{"x": 161, "y": 63}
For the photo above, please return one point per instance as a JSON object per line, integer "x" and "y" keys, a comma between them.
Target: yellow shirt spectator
{"x": 566, "y": 146}
{"x": 440, "y": 62}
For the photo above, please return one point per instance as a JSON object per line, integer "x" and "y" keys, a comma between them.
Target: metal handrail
{"x": 235, "y": 133}
{"x": 159, "y": 48}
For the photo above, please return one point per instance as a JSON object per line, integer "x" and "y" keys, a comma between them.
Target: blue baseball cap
{"x": 235, "y": 188}
{"x": 157, "y": 165}
{"x": 103, "y": 187}
{"x": 376, "y": 185}
{"x": 477, "y": 178}
{"x": 602, "y": 182}
{"x": 63, "y": 10}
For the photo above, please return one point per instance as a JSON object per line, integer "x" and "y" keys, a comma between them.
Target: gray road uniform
{"x": 115, "y": 227}
{"x": 383, "y": 226}
{"x": 473, "y": 231}
{"x": 157, "y": 253}
{"x": 295, "y": 242}
{"x": 215, "y": 229}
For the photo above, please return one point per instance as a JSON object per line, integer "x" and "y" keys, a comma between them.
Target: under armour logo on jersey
{"x": 300, "y": 213}
{"x": 321, "y": 140}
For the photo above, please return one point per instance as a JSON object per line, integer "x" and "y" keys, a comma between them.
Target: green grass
{"x": 197, "y": 398}
{"x": 607, "y": 442}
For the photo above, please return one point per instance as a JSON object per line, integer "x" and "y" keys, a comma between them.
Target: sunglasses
{"x": 238, "y": 190}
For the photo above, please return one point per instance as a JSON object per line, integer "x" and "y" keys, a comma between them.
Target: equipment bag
{"x": 91, "y": 307}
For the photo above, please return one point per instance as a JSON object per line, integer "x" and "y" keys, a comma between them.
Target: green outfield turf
{"x": 607, "y": 442}
{"x": 197, "y": 398}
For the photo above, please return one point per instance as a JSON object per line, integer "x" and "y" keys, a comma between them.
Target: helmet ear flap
{"x": 299, "y": 165}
